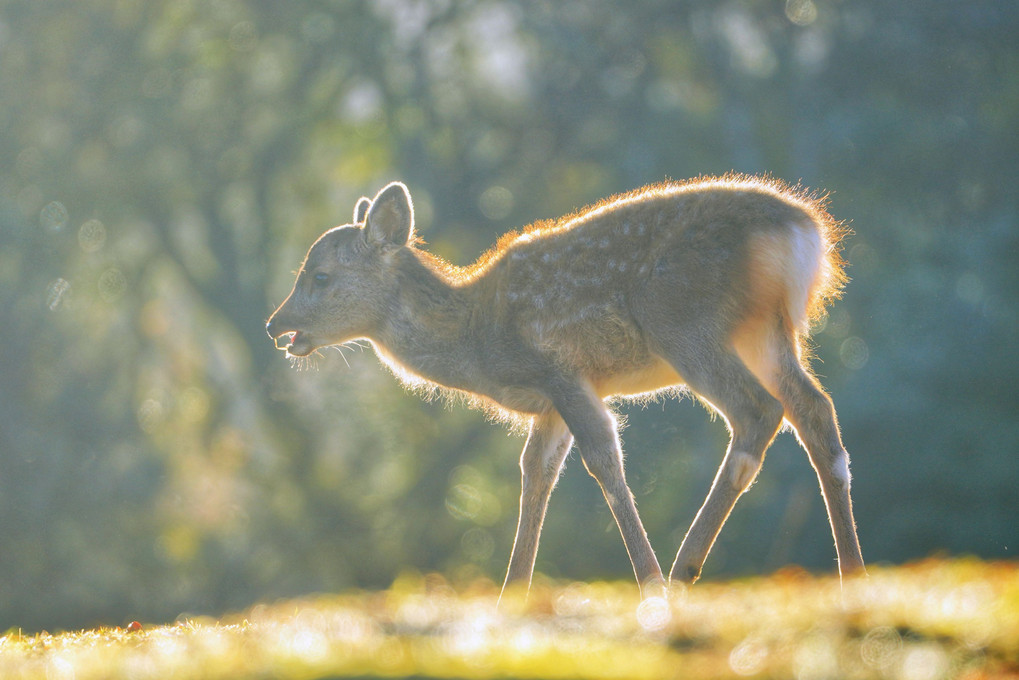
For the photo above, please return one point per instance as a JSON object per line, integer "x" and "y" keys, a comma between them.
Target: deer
{"x": 706, "y": 287}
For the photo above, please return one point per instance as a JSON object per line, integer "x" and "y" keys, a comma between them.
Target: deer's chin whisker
{"x": 306, "y": 363}
{"x": 351, "y": 345}
{"x": 339, "y": 349}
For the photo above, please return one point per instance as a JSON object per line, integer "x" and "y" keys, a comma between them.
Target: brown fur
{"x": 708, "y": 285}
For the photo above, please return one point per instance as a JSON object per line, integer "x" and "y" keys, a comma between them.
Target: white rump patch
{"x": 806, "y": 257}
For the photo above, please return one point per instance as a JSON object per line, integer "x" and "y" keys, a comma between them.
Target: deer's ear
{"x": 361, "y": 209}
{"x": 390, "y": 217}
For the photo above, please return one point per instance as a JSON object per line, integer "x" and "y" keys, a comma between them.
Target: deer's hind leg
{"x": 753, "y": 416}
{"x": 547, "y": 444}
{"x": 812, "y": 414}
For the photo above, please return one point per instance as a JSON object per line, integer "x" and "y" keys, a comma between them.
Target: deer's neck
{"x": 428, "y": 330}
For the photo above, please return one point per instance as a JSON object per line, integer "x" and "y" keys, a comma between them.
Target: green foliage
{"x": 165, "y": 164}
{"x": 925, "y": 621}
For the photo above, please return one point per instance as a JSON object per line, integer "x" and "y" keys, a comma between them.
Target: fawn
{"x": 708, "y": 286}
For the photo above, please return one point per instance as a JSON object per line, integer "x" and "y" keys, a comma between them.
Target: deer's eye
{"x": 320, "y": 278}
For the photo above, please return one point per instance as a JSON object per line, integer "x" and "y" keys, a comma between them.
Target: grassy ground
{"x": 936, "y": 619}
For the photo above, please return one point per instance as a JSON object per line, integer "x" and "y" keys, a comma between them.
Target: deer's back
{"x": 593, "y": 290}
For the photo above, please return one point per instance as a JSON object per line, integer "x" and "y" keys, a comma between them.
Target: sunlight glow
{"x": 654, "y": 614}
{"x": 881, "y": 647}
{"x": 748, "y": 657}
{"x": 924, "y": 662}
{"x": 787, "y": 625}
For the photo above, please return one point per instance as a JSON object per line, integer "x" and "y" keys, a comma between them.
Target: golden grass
{"x": 927, "y": 621}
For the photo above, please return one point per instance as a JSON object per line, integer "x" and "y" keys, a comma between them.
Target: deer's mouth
{"x": 296, "y": 343}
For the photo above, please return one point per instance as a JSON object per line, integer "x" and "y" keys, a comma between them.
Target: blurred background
{"x": 164, "y": 165}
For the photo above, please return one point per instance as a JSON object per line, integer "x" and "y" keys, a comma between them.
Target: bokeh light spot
{"x": 924, "y": 662}
{"x": 854, "y": 353}
{"x": 112, "y": 284}
{"x": 654, "y": 613}
{"x": 463, "y": 502}
{"x": 748, "y": 657}
{"x": 801, "y": 12}
{"x": 92, "y": 236}
{"x": 53, "y": 216}
{"x": 970, "y": 288}
{"x": 57, "y": 293}
{"x": 496, "y": 202}
{"x": 150, "y": 415}
{"x": 881, "y": 647}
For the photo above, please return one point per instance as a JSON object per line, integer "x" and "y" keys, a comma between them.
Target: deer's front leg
{"x": 547, "y": 445}
{"x": 595, "y": 430}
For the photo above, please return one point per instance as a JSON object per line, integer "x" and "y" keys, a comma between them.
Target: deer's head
{"x": 347, "y": 281}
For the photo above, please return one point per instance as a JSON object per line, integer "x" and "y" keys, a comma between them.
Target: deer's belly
{"x": 655, "y": 376}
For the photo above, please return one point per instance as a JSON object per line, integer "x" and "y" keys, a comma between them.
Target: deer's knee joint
{"x": 743, "y": 469}
{"x": 755, "y": 424}
{"x": 600, "y": 462}
{"x": 833, "y": 470}
{"x": 840, "y": 469}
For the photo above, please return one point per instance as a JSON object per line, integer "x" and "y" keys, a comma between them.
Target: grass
{"x": 926, "y": 621}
